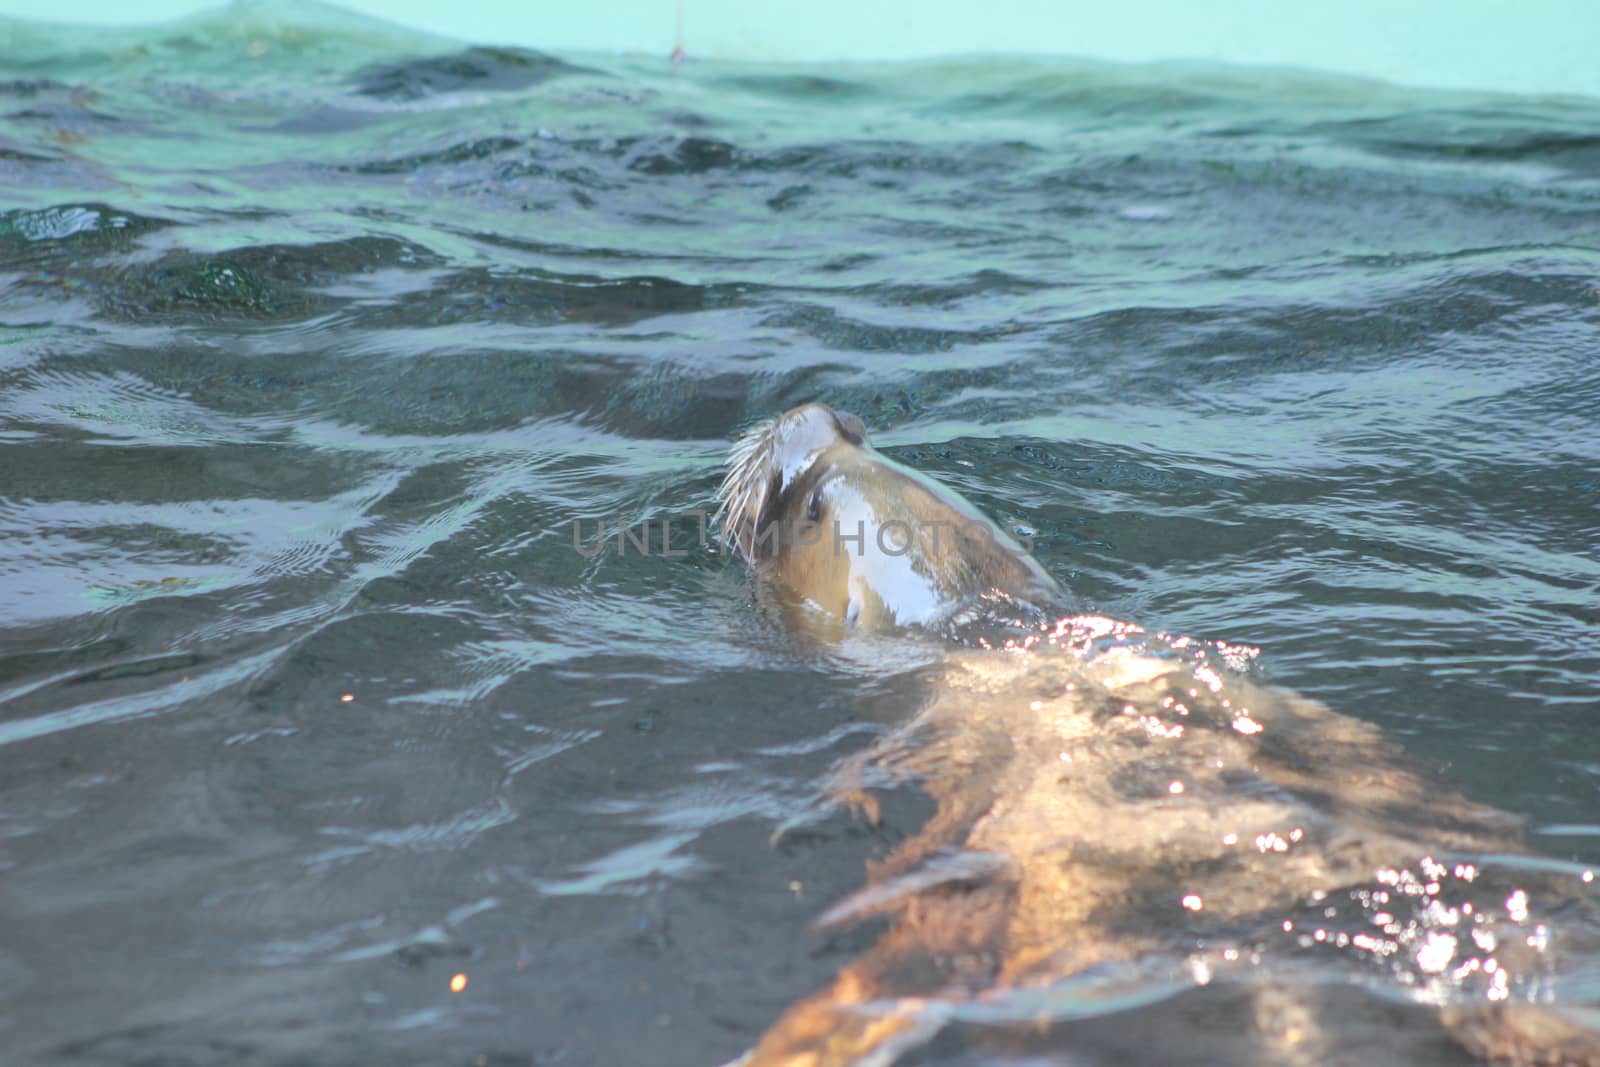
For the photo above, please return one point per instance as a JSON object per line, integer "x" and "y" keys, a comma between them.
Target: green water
{"x": 316, "y": 337}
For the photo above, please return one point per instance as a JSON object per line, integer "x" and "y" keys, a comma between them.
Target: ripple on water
{"x": 319, "y": 336}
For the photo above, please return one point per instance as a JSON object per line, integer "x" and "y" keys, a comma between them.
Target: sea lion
{"x": 1128, "y": 819}
{"x": 864, "y": 542}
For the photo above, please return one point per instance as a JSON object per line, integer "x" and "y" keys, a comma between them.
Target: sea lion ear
{"x": 851, "y": 427}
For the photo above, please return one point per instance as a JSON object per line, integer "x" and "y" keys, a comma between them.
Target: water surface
{"x": 317, "y": 337}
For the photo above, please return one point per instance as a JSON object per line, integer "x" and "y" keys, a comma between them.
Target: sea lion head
{"x": 865, "y": 541}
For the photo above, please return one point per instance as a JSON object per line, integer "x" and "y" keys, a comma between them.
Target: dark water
{"x": 317, "y": 337}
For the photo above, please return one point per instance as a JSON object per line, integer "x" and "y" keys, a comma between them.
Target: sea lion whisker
{"x": 742, "y": 496}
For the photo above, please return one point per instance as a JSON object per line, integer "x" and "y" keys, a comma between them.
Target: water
{"x": 316, "y": 338}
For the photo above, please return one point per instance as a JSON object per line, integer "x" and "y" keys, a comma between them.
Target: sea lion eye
{"x": 814, "y": 505}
